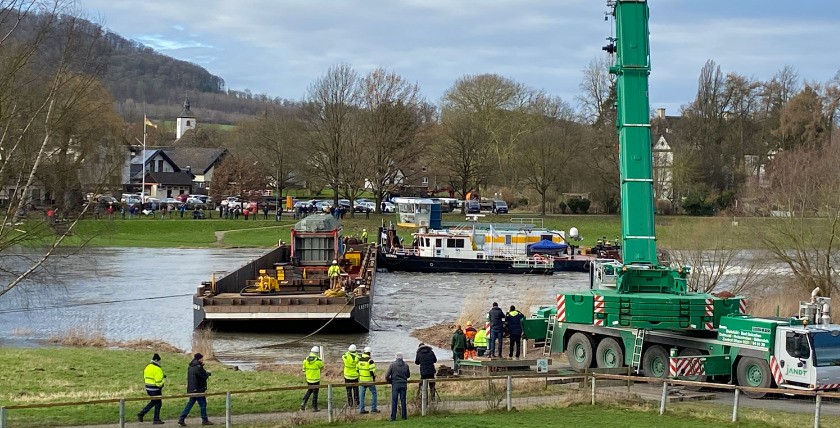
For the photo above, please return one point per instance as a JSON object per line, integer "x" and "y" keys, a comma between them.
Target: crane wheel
{"x": 579, "y": 351}
{"x": 609, "y": 354}
{"x": 655, "y": 362}
{"x": 754, "y": 372}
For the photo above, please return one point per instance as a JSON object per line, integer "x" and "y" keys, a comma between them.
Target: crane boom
{"x": 632, "y": 68}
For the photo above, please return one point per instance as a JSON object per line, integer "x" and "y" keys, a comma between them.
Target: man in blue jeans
{"x": 196, "y": 384}
{"x": 397, "y": 375}
{"x": 496, "y": 318}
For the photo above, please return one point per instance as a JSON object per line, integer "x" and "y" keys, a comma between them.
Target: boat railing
{"x": 411, "y": 251}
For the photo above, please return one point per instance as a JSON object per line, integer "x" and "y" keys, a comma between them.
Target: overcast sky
{"x": 279, "y": 47}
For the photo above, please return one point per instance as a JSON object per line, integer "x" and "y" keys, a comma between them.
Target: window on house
{"x": 160, "y": 166}
{"x": 424, "y": 169}
{"x": 425, "y": 180}
{"x": 188, "y": 123}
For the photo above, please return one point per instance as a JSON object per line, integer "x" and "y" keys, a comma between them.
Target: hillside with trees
{"x": 141, "y": 79}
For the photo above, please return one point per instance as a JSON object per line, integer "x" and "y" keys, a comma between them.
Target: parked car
{"x": 389, "y": 207}
{"x": 473, "y": 207}
{"x": 344, "y": 203}
{"x": 364, "y": 206}
{"x": 323, "y": 206}
{"x": 500, "y": 207}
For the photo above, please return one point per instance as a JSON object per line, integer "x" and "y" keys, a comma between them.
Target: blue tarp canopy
{"x": 546, "y": 246}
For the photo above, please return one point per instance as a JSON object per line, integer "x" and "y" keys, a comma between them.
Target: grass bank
{"x": 672, "y": 231}
{"x": 49, "y": 375}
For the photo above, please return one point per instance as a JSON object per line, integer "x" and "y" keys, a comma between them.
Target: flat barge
{"x": 288, "y": 289}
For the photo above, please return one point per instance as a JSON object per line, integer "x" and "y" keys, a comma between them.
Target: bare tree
{"x": 330, "y": 109}
{"x": 504, "y": 109}
{"x": 276, "y": 138}
{"x": 543, "y": 154}
{"x": 595, "y": 89}
{"x": 393, "y": 114}
{"x": 804, "y": 202}
{"x": 50, "y": 106}
{"x": 461, "y": 152}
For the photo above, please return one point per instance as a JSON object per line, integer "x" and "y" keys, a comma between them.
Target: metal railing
{"x": 495, "y": 392}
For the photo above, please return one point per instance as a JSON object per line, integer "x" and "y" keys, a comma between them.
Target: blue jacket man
{"x": 497, "y": 330}
{"x": 514, "y": 324}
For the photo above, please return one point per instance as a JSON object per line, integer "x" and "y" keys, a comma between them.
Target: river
{"x": 141, "y": 293}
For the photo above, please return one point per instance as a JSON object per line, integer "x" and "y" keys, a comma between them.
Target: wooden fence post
{"x": 735, "y": 405}
{"x": 508, "y": 398}
{"x": 664, "y": 397}
{"x": 329, "y": 403}
{"x": 228, "y": 400}
{"x": 817, "y": 411}
{"x": 122, "y": 413}
{"x": 424, "y": 396}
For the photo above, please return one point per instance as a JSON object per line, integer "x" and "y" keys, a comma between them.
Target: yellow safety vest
{"x": 312, "y": 366}
{"x": 334, "y": 271}
{"x": 480, "y": 340}
{"x": 367, "y": 369}
{"x": 153, "y": 375}
{"x": 351, "y": 362}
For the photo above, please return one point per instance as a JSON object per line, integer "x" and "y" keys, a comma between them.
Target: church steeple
{"x": 185, "y": 120}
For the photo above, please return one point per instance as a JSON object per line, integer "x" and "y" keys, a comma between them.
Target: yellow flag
{"x": 148, "y": 122}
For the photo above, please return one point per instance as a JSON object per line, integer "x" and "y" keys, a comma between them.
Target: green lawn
{"x": 51, "y": 375}
{"x": 672, "y": 231}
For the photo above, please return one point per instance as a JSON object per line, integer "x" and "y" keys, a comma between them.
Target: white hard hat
{"x": 315, "y": 349}
{"x": 364, "y": 230}
{"x": 352, "y": 348}
{"x": 367, "y": 349}
{"x": 335, "y": 262}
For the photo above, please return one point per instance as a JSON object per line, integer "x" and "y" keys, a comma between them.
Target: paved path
{"x": 220, "y": 234}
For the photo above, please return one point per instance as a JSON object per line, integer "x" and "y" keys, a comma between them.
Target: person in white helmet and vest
{"x": 367, "y": 373}
{"x": 312, "y": 367}
{"x": 334, "y": 273}
{"x": 351, "y": 375}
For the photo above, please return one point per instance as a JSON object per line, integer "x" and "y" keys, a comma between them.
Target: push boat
{"x": 288, "y": 290}
{"x": 474, "y": 247}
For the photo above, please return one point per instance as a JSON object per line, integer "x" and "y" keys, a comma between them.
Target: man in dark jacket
{"x": 458, "y": 346}
{"x": 397, "y": 375}
{"x": 426, "y": 359}
{"x": 514, "y": 324}
{"x": 497, "y": 330}
{"x": 196, "y": 384}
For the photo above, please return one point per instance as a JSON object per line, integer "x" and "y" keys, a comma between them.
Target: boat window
{"x": 459, "y": 243}
{"x": 546, "y": 237}
{"x": 439, "y": 243}
{"x": 450, "y": 243}
{"x": 427, "y": 242}
{"x": 508, "y": 239}
{"x": 479, "y": 256}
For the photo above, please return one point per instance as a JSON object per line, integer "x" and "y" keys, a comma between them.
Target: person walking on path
{"x": 481, "y": 340}
{"x": 265, "y": 211}
{"x": 351, "y": 375}
{"x": 398, "y": 375}
{"x": 312, "y": 366}
{"x": 196, "y": 384}
{"x": 367, "y": 373}
{"x": 426, "y": 359}
{"x": 514, "y": 323}
{"x": 154, "y": 379}
{"x": 497, "y": 330}
{"x": 364, "y": 236}
{"x": 458, "y": 345}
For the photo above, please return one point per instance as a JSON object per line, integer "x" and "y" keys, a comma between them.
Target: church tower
{"x": 185, "y": 121}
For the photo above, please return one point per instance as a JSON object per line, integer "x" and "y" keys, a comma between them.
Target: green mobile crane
{"x": 639, "y": 313}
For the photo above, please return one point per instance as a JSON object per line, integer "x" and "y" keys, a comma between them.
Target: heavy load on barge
{"x": 289, "y": 290}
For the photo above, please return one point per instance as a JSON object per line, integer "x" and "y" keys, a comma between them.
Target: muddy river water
{"x": 140, "y": 293}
